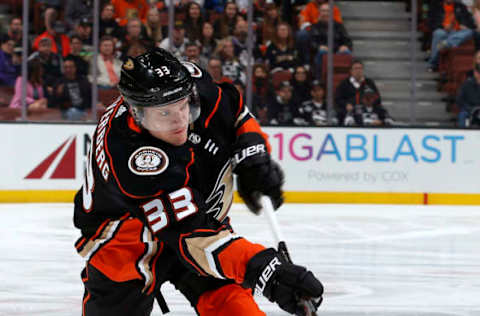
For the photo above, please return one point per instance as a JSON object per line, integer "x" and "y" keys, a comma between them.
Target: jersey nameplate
{"x": 148, "y": 161}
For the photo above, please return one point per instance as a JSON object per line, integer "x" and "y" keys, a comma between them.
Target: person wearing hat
{"x": 313, "y": 112}
{"x": 83, "y": 29}
{"x": 50, "y": 61}
{"x": 282, "y": 108}
{"x": 178, "y": 40}
{"x": 60, "y": 41}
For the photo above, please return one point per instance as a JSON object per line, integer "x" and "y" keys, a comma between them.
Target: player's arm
{"x": 257, "y": 174}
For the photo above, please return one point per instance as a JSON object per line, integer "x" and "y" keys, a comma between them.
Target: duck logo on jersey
{"x": 221, "y": 197}
{"x": 148, "y": 161}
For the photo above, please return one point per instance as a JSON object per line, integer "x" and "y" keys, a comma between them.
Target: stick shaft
{"x": 272, "y": 219}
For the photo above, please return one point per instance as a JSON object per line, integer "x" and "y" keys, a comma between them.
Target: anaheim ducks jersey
{"x": 131, "y": 172}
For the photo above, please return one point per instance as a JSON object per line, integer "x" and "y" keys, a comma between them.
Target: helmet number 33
{"x": 162, "y": 71}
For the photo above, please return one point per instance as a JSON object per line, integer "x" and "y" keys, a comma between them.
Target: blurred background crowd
{"x": 289, "y": 56}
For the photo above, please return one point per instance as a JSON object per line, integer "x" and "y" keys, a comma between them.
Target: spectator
{"x": 313, "y": 112}
{"x": 72, "y": 93}
{"x": 476, "y": 60}
{"x": 281, "y": 53}
{"x": 193, "y": 21}
{"x": 301, "y": 84}
{"x": 108, "y": 25}
{"x": 83, "y": 29}
{"x": 261, "y": 92}
{"x": 133, "y": 36}
{"x": 476, "y": 20}
{"x": 9, "y": 62}
{"x": 126, "y": 10}
{"x": 281, "y": 109}
{"x": 239, "y": 39}
{"x": 14, "y": 31}
{"x": 153, "y": 27}
{"x": 268, "y": 27}
{"x": 214, "y": 68}
{"x": 225, "y": 25}
{"x": 76, "y": 11}
{"x": 51, "y": 62}
{"x": 108, "y": 66}
{"x": 308, "y": 16}
{"x": 358, "y": 95}
{"x": 60, "y": 42}
{"x": 231, "y": 66}
{"x": 178, "y": 41}
{"x": 192, "y": 54}
{"x": 35, "y": 94}
{"x": 79, "y": 55}
{"x": 342, "y": 44}
{"x": 452, "y": 25}
{"x": 468, "y": 97}
{"x": 50, "y": 15}
{"x": 208, "y": 42}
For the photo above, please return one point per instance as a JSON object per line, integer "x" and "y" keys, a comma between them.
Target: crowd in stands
{"x": 289, "y": 54}
{"x": 451, "y": 31}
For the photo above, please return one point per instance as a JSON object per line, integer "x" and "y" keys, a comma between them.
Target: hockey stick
{"x": 308, "y": 305}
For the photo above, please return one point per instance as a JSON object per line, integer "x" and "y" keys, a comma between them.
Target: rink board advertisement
{"x": 44, "y": 162}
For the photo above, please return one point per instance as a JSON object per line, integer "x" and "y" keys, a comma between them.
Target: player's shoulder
{"x": 214, "y": 96}
{"x": 139, "y": 165}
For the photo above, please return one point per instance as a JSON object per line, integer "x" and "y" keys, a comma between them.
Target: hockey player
{"x": 158, "y": 187}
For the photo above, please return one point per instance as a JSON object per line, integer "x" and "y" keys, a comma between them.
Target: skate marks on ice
{"x": 373, "y": 259}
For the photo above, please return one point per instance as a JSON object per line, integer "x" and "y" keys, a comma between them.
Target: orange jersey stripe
{"x": 192, "y": 160}
{"x": 239, "y": 105}
{"x": 252, "y": 126}
{"x": 215, "y": 108}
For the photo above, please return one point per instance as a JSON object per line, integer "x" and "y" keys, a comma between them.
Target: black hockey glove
{"x": 257, "y": 173}
{"x": 281, "y": 282}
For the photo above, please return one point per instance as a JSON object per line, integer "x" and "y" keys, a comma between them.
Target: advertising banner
{"x": 378, "y": 160}
{"x": 51, "y": 157}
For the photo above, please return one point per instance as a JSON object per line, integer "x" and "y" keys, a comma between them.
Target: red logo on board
{"x": 60, "y": 164}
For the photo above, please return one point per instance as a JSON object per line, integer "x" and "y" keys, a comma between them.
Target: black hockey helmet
{"x": 155, "y": 79}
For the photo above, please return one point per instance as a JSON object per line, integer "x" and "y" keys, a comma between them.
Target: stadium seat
{"x": 341, "y": 64}
{"x": 280, "y": 76}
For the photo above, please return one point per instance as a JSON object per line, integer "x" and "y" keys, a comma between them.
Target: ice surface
{"x": 373, "y": 259}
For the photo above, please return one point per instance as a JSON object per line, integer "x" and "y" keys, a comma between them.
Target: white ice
{"x": 373, "y": 259}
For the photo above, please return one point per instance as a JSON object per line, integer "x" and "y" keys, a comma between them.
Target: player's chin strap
{"x": 309, "y": 305}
